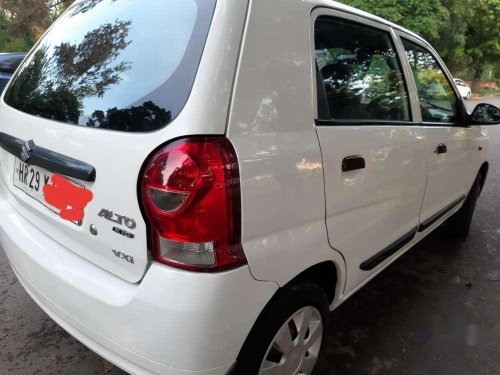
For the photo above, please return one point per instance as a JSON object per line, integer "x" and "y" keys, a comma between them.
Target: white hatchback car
{"x": 463, "y": 88}
{"x": 188, "y": 186}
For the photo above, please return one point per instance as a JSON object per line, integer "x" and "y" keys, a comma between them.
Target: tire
{"x": 261, "y": 349}
{"x": 459, "y": 224}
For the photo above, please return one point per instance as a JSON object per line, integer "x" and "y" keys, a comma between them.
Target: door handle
{"x": 353, "y": 163}
{"x": 441, "y": 149}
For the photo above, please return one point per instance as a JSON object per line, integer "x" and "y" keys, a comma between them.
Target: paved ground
{"x": 435, "y": 311}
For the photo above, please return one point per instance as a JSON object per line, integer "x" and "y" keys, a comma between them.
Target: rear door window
{"x": 126, "y": 65}
{"x": 361, "y": 72}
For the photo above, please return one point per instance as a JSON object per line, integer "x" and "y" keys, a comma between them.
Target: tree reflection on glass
{"x": 365, "y": 83}
{"x": 55, "y": 82}
{"x": 438, "y": 101}
{"x": 146, "y": 117}
{"x": 86, "y": 68}
{"x": 96, "y": 66}
{"x": 36, "y": 95}
{"x": 85, "y": 6}
{"x": 362, "y": 76}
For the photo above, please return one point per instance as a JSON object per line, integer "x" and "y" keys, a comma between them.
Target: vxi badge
{"x": 118, "y": 219}
{"x": 123, "y": 256}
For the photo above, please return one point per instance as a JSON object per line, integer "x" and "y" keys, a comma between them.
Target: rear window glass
{"x": 126, "y": 65}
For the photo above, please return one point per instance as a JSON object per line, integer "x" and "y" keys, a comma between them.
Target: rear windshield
{"x": 126, "y": 65}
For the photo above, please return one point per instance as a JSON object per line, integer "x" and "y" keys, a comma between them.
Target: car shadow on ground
{"x": 403, "y": 316}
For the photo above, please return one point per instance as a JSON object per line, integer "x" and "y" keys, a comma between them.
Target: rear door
{"x": 373, "y": 154}
{"x": 85, "y": 111}
{"x": 452, "y": 167}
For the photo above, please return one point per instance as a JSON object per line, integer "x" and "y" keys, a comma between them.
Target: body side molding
{"x": 426, "y": 224}
{"x": 390, "y": 250}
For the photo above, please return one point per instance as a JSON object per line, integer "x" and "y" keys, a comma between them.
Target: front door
{"x": 373, "y": 153}
{"x": 449, "y": 143}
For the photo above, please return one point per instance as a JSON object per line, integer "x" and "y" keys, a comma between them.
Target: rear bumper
{"x": 173, "y": 322}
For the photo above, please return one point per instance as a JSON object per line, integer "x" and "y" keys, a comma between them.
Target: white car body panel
{"x": 451, "y": 175}
{"x": 129, "y": 321}
{"x": 465, "y": 92}
{"x": 463, "y": 88}
{"x": 256, "y": 85}
{"x": 280, "y": 158}
{"x": 379, "y": 204}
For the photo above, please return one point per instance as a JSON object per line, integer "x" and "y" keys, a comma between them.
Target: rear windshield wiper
{"x": 32, "y": 154}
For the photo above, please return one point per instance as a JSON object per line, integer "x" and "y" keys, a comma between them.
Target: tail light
{"x": 191, "y": 195}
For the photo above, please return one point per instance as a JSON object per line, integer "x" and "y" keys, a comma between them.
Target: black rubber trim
{"x": 32, "y": 154}
{"x": 231, "y": 369}
{"x": 434, "y": 218}
{"x": 390, "y": 250}
{"x": 323, "y": 107}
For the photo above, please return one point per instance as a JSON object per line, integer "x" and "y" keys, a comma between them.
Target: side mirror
{"x": 485, "y": 114}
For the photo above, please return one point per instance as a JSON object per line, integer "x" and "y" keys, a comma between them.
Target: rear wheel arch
{"x": 287, "y": 301}
{"x": 323, "y": 274}
{"x": 323, "y": 277}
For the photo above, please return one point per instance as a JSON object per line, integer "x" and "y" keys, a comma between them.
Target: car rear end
{"x": 119, "y": 193}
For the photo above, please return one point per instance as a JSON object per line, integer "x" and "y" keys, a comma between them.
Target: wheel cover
{"x": 295, "y": 348}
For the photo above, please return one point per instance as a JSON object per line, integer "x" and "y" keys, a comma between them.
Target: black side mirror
{"x": 485, "y": 114}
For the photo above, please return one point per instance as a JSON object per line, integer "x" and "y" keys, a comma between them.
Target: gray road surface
{"x": 435, "y": 311}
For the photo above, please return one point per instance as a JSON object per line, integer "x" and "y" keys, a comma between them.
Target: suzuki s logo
{"x": 123, "y": 256}
{"x": 26, "y": 151}
{"x": 118, "y": 219}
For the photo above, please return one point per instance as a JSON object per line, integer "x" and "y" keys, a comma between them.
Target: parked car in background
{"x": 464, "y": 89}
{"x": 8, "y": 65}
{"x": 194, "y": 196}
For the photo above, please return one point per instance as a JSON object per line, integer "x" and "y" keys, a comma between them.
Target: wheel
{"x": 287, "y": 337}
{"x": 459, "y": 224}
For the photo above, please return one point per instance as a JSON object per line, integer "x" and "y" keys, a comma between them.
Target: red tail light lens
{"x": 191, "y": 195}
